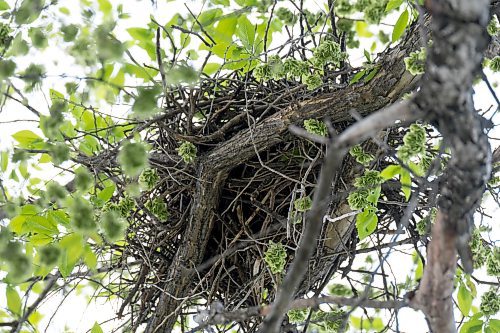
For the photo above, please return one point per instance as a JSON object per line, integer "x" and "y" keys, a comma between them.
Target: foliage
{"x": 103, "y": 184}
{"x": 493, "y": 27}
{"x": 361, "y": 156}
{"x": 415, "y": 62}
{"x": 303, "y": 204}
{"x": 275, "y": 257}
{"x": 494, "y": 64}
{"x": 187, "y": 151}
{"x": 317, "y": 127}
{"x": 490, "y": 303}
{"x": 149, "y": 177}
{"x": 133, "y": 158}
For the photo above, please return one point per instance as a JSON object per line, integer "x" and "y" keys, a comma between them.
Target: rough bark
{"x": 459, "y": 41}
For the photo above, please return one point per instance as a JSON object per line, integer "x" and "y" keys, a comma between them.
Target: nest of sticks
{"x": 255, "y": 203}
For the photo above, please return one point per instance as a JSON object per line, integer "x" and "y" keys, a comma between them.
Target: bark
{"x": 459, "y": 42}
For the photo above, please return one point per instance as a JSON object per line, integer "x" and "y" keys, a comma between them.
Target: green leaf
{"x": 393, "y": 4}
{"x": 390, "y": 171}
{"x": 366, "y": 223}
{"x": 89, "y": 257}
{"x": 464, "y": 298}
{"x": 145, "y": 104}
{"x": 360, "y": 323}
{"x": 141, "y": 34}
{"x": 4, "y": 5}
{"x": 107, "y": 193}
{"x": 494, "y": 325}
{"x": 406, "y": 183}
{"x": 209, "y": 16}
{"x": 362, "y": 29}
{"x": 246, "y": 32}
{"x": 374, "y": 195}
{"x": 371, "y": 75}
{"x": 474, "y": 325}
{"x": 419, "y": 271}
{"x": 377, "y": 324}
{"x": 29, "y": 11}
{"x": 69, "y": 33}
{"x": 14, "y": 303}
{"x": 39, "y": 225}
{"x": 4, "y": 160}
{"x": 358, "y": 76}
{"x": 367, "y": 55}
{"x": 225, "y": 30}
{"x": 400, "y": 26}
{"x": 210, "y": 68}
{"x": 105, "y": 7}
{"x": 27, "y": 139}
{"x": 16, "y": 224}
{"x": 72, "y": 249}
{"x": 96, "y": 328}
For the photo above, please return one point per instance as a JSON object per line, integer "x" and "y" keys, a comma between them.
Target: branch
{"x": 216, "y": 315}
{"x": 314, "y": 221}
{"x": 18, "y": 325}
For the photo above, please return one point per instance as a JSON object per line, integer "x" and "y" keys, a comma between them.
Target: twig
{"x": 33, "y": 307}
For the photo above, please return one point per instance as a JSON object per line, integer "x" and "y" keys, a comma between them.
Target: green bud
{"x": 313, "y": 81}
{"x": 187, "y": 151}
{"x": 343, "y": 7}
{"x": 339, "y": 290}
{"x": 286, "y": 16}
{"x": 490, "y": 303}
{"x": 494, "y": 64}
{"x": 361, "y": 156}
{"x": 295, "y": 68}
{"x": 277, "y": 68}
{"x": 329, "y": 321}
{"x": 358, "y": 199}
{"x": 275, "y": 257}
{"x": 370, "y": 179}
{"x": 56, "y": 192}
{"x": 113, "y": 226}
{"x": 328, "y": 52}
{"x": 158, "y": 208}
{"x": 303, "y": 204}
{"x": 49, "y": 254}
{"x": 82, "y": 216}
{"x": 375, "y": 12}
{"x": 262, "y": 72}
{"x": 297, "y": 316}
{"x": 415, "y": 63}
{"x": 317, "y": 127}
{"x": 133, "y": 158}
{"x": 149, "y": 178}
{"x": 493, "y": 262}
{"x": 83, "y": 179}
{"x": 59, "y": 153}
{"x": 493, "y": 27}
{"x": 479, "y": 251}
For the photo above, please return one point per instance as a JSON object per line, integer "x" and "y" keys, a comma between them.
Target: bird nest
{"x": 256, "y": 205}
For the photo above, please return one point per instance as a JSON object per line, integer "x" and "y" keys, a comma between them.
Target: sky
{"x": 76, "y": 312}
